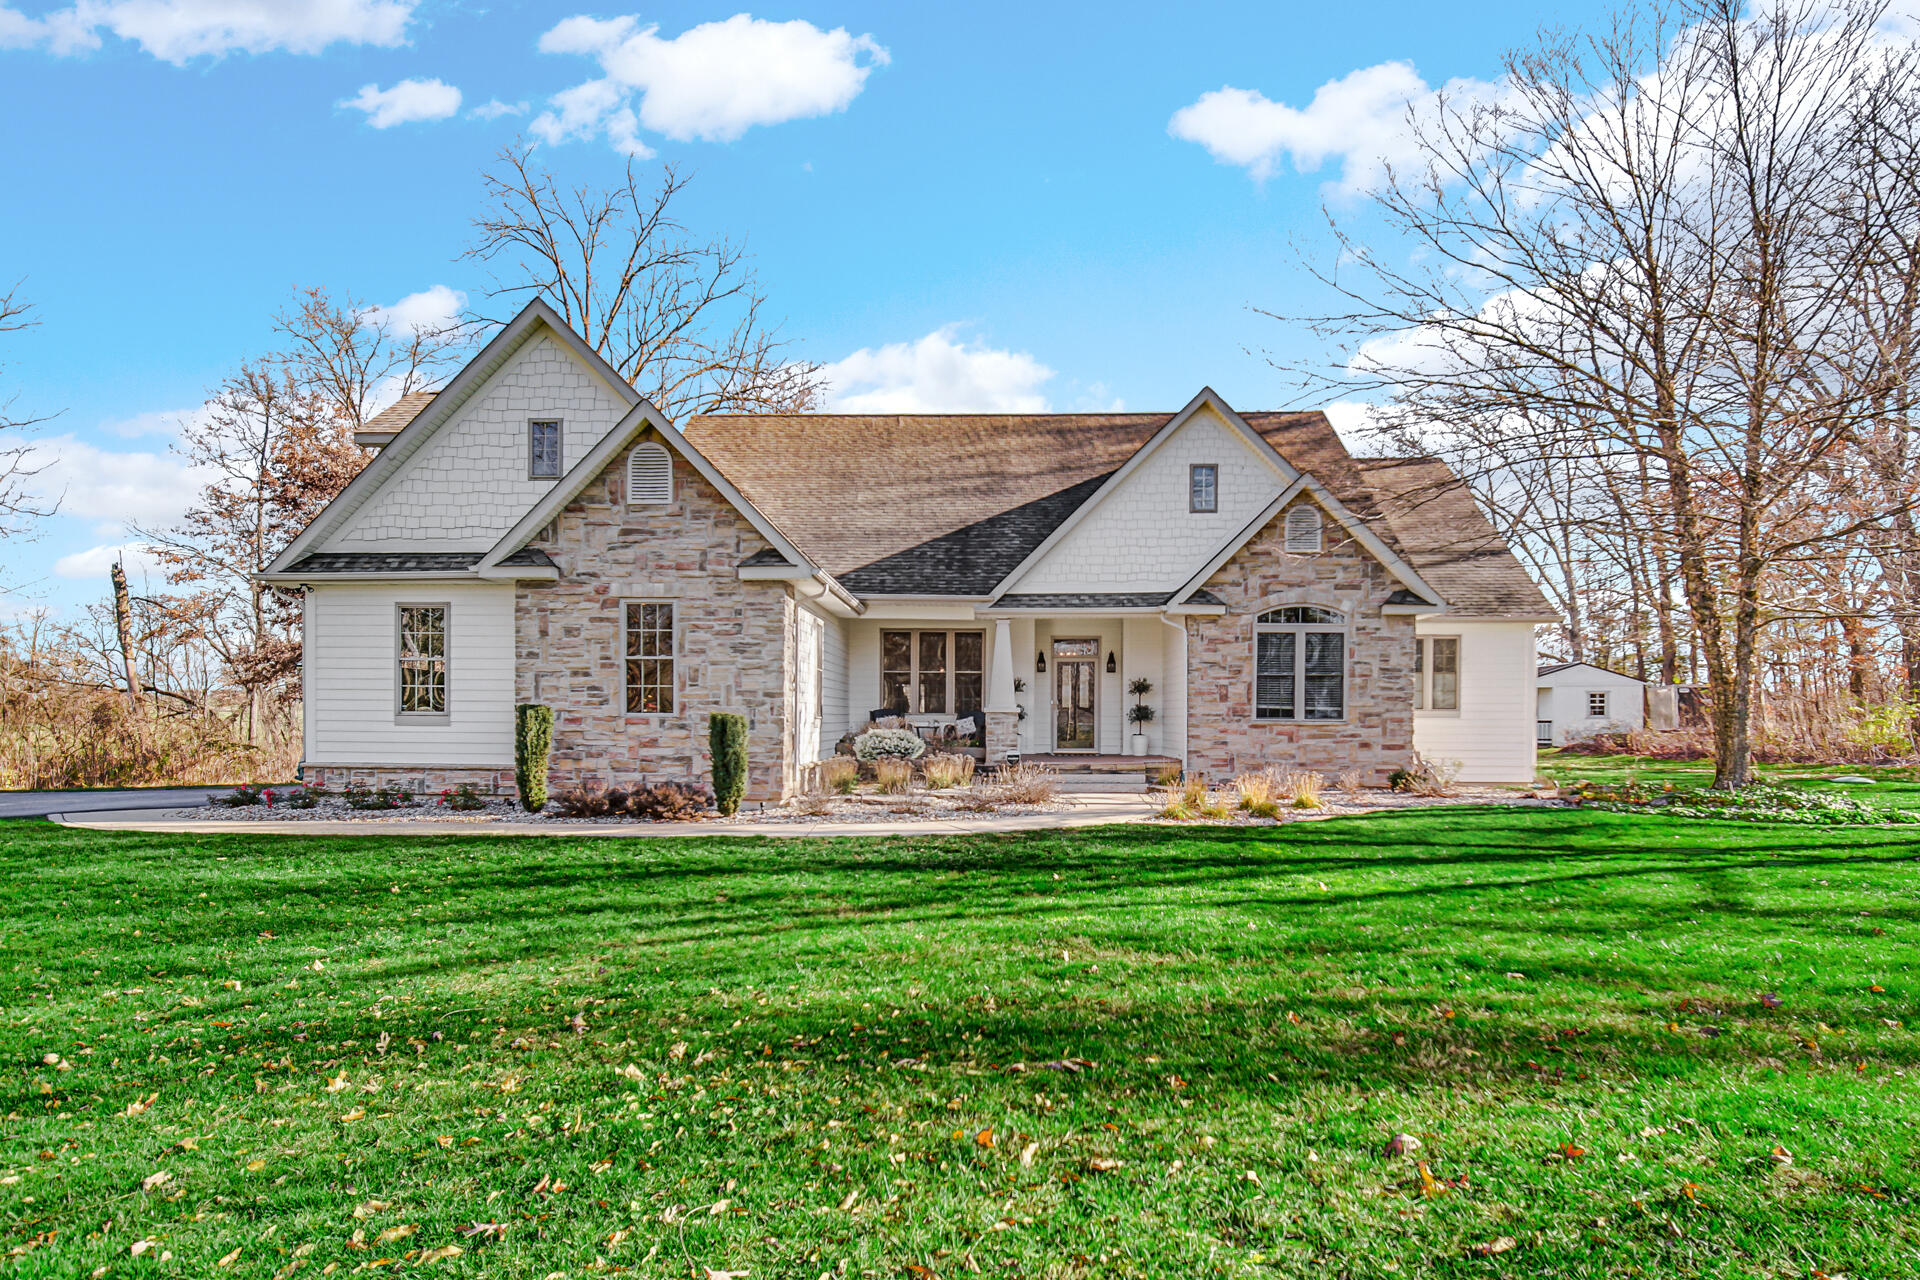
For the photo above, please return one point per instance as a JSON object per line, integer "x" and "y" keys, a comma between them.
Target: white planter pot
{"x": 1139, "y": 743}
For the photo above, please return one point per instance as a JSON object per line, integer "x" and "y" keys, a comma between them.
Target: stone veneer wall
{"x": 425, "y": 783}
{"x": 736, "y": 639}
{"x": 1376, "y": 737}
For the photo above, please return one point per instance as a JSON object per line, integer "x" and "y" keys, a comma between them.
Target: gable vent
{"x": 1303, "y": 530}
{"x": 649, "y": 476}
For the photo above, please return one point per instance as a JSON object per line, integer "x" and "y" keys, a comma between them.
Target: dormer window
{"x": 649, "y": 475}
{"x": 1203, "y": 487}
{"x": 1303, "y": 530}
{"x": 543, "y": 449}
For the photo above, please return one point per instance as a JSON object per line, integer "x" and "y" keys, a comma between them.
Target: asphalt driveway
{"x": 38, "y": 804}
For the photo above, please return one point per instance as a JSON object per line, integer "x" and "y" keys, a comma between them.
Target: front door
{"x": 1074, "y": 693}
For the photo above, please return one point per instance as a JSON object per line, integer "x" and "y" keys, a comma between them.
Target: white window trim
{"x": 560, "y": 442}
{"x": 1606, "y": 704}
{"x": 953, "y": 670}
{"x": 1300, "y": 663}
{"x": 649, "y": 447}
{"x": 679, "y": 693}
{"x": 446, "y": 657}
{"x": 1423, "y": 676}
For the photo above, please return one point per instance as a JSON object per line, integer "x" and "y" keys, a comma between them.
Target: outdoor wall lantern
{"x": 1040, "y": 661}
{"x": 1111, "y": 668}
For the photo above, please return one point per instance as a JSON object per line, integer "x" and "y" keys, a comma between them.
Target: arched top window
{"x": 649, "y": 475}
{"x": 1303, "y": 529}
{"x": 1298, "y": 615}
{"x": 1300, "y": 664}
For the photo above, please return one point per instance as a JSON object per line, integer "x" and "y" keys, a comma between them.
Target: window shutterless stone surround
{"x": 735, "y": 643}
{"x": 1375, "y": 736}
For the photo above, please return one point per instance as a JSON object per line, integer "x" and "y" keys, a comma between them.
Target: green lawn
{"x": 1892, "y": 784}
{"x": 798, "y": 1058}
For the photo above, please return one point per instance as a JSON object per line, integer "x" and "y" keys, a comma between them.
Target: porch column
{"x": 1003, "y": 713}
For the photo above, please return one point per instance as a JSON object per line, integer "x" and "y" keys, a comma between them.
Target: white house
{"x": 536, "y": 532}
{"x": 1578, "y": 700}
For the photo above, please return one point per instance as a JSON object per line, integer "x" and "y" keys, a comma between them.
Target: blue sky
{"x": 1001, "y": 206}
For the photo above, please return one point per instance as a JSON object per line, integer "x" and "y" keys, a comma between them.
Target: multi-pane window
{"x": 1203, "y": 487}
{"x": 1597, "y": 705}
{"x": 1436, "y": 673}
{"x": 423, "y": 659}
{"x": 932, "y": 672}
{"x": 543, "y": 450}
{"x": 650, "y": 657}
{"x": 1300, "y": 660}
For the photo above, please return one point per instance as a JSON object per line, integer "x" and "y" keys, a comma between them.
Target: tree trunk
{"x": 123, "y": 624}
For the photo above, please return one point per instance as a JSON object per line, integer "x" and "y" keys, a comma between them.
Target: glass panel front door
{"x": 1073, "y": 697}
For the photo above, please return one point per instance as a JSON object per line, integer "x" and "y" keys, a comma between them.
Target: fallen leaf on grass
{"x": 984, "y": 1138}
{"x": 1101, "y": 1164}
{"x": 229, "y": 1260}
{"x": 1500, "y": 1245}
{"x": 153, "y": 1180}
{"x": 444, "y": 1251}
{"x": 138, "y": 1105}
{"x": 367, "y": 1208}
{"x": 336, "y": 1083}
{"x": 358, "y": 1113}
{"x": 1027, "y": 1153}
{"x": 482, "y": 1230}
{"x": 632, "y": 1073}
{"x": 400, "y": 1232}
{"x": 1400, "y": 1144}
{"x": 712, "y": 1274}
{"x": 848, "y": 1203}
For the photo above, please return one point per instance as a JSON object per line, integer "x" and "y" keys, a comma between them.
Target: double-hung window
{"x": 932, "y": 672}
{"x": 1300, "y": 664}
{"x": 650, "y": 657}
{"x": 543, "y": 450}
{"x": 1436, "y": 673}
{"x": 421, "y": 678}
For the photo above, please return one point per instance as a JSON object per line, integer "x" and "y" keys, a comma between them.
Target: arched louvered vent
{"x": 1303, "y": 530}
{"x": 649, "y": 476}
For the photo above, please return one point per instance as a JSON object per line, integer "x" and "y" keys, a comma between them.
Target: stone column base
{"x": 1003, "y": 735}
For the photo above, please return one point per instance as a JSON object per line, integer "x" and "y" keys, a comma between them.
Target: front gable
{"x": 1139, "y": 535}
{"x": 464, "y": 487}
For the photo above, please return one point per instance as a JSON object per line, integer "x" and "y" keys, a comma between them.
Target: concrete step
{"x": 1106, "y": 783}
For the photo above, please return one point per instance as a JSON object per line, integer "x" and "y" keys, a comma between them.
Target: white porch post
{"x": 1000, "y": 683}
{"x": 1003, "y": 713}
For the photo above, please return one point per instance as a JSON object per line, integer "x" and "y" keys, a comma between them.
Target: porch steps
{"x": 1127, "y": 775}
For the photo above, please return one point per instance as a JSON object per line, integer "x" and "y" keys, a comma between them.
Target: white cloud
{"x": 154, "y": 422}
{"x": 408, "y": 102}
{"x": 940, "y": 373}
{"x": 432, "y": 309}
{"x": 177, "y": 31}
{"x": 712, "y": 82}
{"x": 493, "y": 109}
{"x": 1361, "y": 119}
{"x": 96, "y": 562}
{"x": 113, "y": 489}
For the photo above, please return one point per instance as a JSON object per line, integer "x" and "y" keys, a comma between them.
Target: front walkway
{"x": 1089, "y": 809}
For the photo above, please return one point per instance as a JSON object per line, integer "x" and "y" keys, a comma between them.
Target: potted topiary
{"x": 1139, "y": 715}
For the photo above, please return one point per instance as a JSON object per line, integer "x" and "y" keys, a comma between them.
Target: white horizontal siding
{"x": 1563, "y": 700}
{"x": 1492, "y": 735}
{"x": 835, "y": 715}
{"x": 351, "y": 675}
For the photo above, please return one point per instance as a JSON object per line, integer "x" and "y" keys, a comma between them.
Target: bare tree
{"x": 1638, "y": 242}
{"x": 278, "y": 452}
{"x": 679, "y": 317}
{"x": 19, "y": 506}
{"x": 357, "y": 357}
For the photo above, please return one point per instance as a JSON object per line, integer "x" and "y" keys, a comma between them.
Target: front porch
{"x": 1081, "y": 772}
{"x": 1054, "y": 686}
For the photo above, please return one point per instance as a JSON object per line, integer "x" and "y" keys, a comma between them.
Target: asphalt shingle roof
{"x": 411, "y": 561}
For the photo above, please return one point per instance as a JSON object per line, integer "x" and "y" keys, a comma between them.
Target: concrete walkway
{"x": 1089, "y": 809}
{"x": 39, "y": 804}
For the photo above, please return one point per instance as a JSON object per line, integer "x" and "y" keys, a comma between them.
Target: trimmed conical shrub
{"x": 727, "y": 740}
